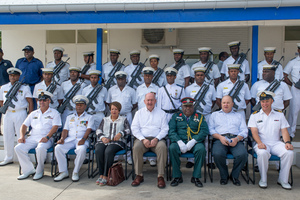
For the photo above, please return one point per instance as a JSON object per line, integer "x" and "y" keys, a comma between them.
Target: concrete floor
{"x": 46, "y": 188}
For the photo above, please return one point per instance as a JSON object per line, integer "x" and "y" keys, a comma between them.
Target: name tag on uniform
{"x": 225, "y": 88}
{"x": 259, "y": 121}
{"x": 48, "y": 117}
{"x": 194, "y": 91}
{"x": 40, "y": 89}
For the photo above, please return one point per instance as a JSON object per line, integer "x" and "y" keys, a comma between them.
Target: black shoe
{"x": 53, "y": 162}
{"x": 197, "y": 182}
{"x": 211, "y": 165}
{"x": 86, "y": 161}
{"x": 224, "y": 181}
{"x": 176, "y": 181}
{"x": 235, "y": 181}
{"x": 256, "y": 169}
{"x": 189, "y": 165}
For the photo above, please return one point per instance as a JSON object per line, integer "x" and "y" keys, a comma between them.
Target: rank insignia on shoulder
{"x": 35, "y": 117}
{"x": 278, "y": 111}
{"x": 179, "y": 85}
{"x": 255, "y": 112}
{"x": 259, "y": 121}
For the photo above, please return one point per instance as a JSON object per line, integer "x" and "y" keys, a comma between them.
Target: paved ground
{"x": 46, "y": 188}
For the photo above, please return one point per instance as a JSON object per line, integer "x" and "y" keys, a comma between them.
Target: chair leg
{"x": 291, "y": 174}
{"x": 204, "y": 170}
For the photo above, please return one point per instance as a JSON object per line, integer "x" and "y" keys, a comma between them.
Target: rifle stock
{"x": 136, "y": 74}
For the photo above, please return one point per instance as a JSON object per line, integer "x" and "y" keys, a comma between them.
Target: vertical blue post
{"x": 99, "y": 50}
{"x": 254, "y": 54}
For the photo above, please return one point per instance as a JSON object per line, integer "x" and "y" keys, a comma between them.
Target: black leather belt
{"x": 229, "y": 135}
{"x": 171, "y": 111}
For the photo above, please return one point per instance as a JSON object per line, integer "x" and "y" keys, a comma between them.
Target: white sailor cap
{"x": 201, "y": 49}
{"x": 270, "y": 49}
{"x": 94, "y": 72}
{"x": 264, "y": 95}
{"x": 75, "y": 69}
{"x": 117, "y": 51}
{"x": 270, "y": 67}
{"x": 148, "y": 70}
{"x": 80, "y": 99}
{"x": 199, "y": 69}
{"x": 13, "y": 70}
{"x": 43, "y": 94}
{"x": 234, "y": 43}
{"x": 135, "y": 52}
{"x": 120, "y": 74}
{"x": 88, "y": 53}
{"x": 58, "y": 49}
{"x": 178, "y": 51}
{"x": 233, "y": 66}
{"x": 171, "y": 71}
{"x": 154, "y": 56}
{"x": 298, "y": 44}
{"x": 47, "y": 70}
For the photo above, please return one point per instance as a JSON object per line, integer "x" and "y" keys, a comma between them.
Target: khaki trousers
{"x": 160, "y": 150}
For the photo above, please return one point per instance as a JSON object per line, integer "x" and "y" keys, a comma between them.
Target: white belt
{"x": 16, "y": 110}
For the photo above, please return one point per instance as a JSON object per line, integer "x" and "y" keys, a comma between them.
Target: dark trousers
{"x": 220, "y": 153}
{"x": 105, "y": 156}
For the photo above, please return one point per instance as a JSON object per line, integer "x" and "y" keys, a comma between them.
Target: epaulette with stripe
{"x": 278, "y": 111}
{"x": 255, "y": 112}
{"x": 179, "y": 85}
{"x": 259, "y": 62}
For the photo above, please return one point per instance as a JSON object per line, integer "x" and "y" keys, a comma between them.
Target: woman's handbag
{"x": 115, "y": 174}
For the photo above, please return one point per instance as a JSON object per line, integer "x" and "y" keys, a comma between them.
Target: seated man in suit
{"x": 187, "y": 132}
{"x": 228, "y": 130}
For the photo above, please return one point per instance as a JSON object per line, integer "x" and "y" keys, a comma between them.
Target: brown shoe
{"x": 137, "y": 181}
{"x": 161, "y": 182}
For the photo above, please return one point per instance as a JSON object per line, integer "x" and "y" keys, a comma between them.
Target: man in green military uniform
{"x": 187, "y": 132}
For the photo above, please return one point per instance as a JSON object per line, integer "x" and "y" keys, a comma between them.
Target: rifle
{"x": 157, "y": 75}
{"x": 200, "y": 96}
{"x": 208, "y": 67}
{"x": 86, "y": 67}
{"x": 277, "y": 63}
{"x": 52, "y": 87}
{"x": 136, "y": 74}
{"x": 92, "y": 96}
{"x": 70, "y": 94}
{"x": 111, "y": 74}
{"x": 58, "y": 68}
{"x": 234, "y": 92}
{"x": 11, "y": 95}
{"x": 180, "y": 64}
{"x": 272, "y": 88}
{"x": 241, "y": 59}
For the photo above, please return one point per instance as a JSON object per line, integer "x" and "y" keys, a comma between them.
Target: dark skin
{"x": 171, "y": 79}
{"x": 1, "y": 56}
{"x": 57, "y": 56}
{"x": 148, "y": 79}
{"x": 199, "y": 78}
{"x": 224, "y": 57}
{"x": 286, "y": 76}
{"x": 121, "y": 82}
{"x": 154, "y": 63}
{"x": 28, "y": 55}
{"x": 113, "y": 58}
{"x": 87, "y": 60}
{"x": 269, "y": 58}
{"x": 135, "y": 59}
{"x": 177, "y": 58}
{"x": 188, "y": 110}
{"x": 74, "y": 76}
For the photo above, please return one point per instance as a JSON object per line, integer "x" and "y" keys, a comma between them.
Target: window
{"x": 292, "y": 33}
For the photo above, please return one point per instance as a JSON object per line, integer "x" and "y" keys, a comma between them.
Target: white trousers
{"x": 64, "y": 116}
{"x": 294, "y": 110}
{"x": 41, "y": 153}
{"x": 12, "y": 122}
{"x": 278, "y": 149}
{"x": 62, "y": 149}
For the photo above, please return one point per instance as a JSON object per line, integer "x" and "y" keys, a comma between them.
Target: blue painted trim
{"x": 254, "y": 54}
{"x": 99, "y": 50}
{"x": 158, "y": 16}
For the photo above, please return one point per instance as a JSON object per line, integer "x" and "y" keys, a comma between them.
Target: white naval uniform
{"x": 126, "y": 97}
{"x": 57, "y": 94}
{"x": 141, "y": 92}
{"x": 162, "y": 80}
{"x": 76, "y": 127}
{"x": 269, "y": 128}
{"x": 244, "y": 67}
{"x": 98, "y": 113}
{"x": 282, "y": 93}
{"x": 41, "y": 124}
{"x": 210, "y": 96}
{"x": 93, "y": 66}
{"x": 163, "y": 101}
{"x": 129, "y": 70}
{"x": 293, "y": 68}
{"x": 225, "y": 87}
{"x": 106, "y": 69}
{"x": 13, "y": 118}
{"x": 183, "y": 72}
{"x": 278, "y": 72}
{"x": 66, "y": 86}
{"x": 64, "y": 73}
{"x": 213, "y": 73}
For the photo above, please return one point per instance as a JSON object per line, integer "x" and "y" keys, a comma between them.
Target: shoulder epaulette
{"x": 49, "y": 62}
{"x": 294, "y": 58}
{"x": 255, "y": 112}
{"x": 278, "y": 110}
{"x": 179, "y": 85}
{"x": 259, "y": 62}
{"x": 105, "y": 63}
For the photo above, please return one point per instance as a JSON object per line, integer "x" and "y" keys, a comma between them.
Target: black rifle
{"x": 199, "y": 97}
{"x": 136, "y": 74}
{"x": 92, "y": 96}
{"x": 208, "y": 67}
{"x": 235, "y": 91}
{"x": 68, "y": 97}
{"x": 277, "y": 63}
{"x": 86, "y": 67}
{"x": 11, "y": 95}
{"x": 58, "y": 68}
{"x": 52, "y": 87}
{"x": 180, "y": 64}
{"x": 157, "y": 75}
{"x": 112, "y": 73}
{"x": 272, "y": 88}
{"x": 241, "y": 59}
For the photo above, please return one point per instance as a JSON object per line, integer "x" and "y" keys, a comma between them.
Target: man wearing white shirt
{"x": 154, "y": 61}
{"x": 149, "y": 127}
{"x": 88, "y": 58}
{"x": 183, "y": 75}
{"x": 129, "y": 69}
{"x": 228, "y": 131}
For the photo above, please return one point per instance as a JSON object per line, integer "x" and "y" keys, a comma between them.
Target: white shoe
{"x": 38, "y": 176}
{"x": 129, "y": 161}
{"x": 262, "y": 184}
{"x": 61, "y": 176}
{"x": 286, "y": 186}
{"x": 152, "y": 163}
{"x": 6, "y": 162}
{"x": 75, "y": 177}
{"x": 26, "y": 175}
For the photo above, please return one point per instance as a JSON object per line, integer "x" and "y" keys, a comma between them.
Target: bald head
{"x": 150, "y": 101}
{"x": 227, "y": 104}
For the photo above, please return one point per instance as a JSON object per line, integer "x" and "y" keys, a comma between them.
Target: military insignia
{"x": 176, "y": 93}
{"x": 85, "y": 123}
{"x": 276, "y": 120}
{"x": 5, "y": 91}
{"x": 72, "y": 119}
{"x": 263, "y": 94}
{"x": 40, "y": 89}
{"x": 48, "y": 117}
{"x": 194, "y": 91}
{"x": 35, "y": 118}
{"x": 255, "y": 112}
{"x": 259, "y": 121}
{"x": 278, "y": 111}
{"x": 21, "y": 92}
{"x": 225, "y": 88}
{"x": 5, "y": 64}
